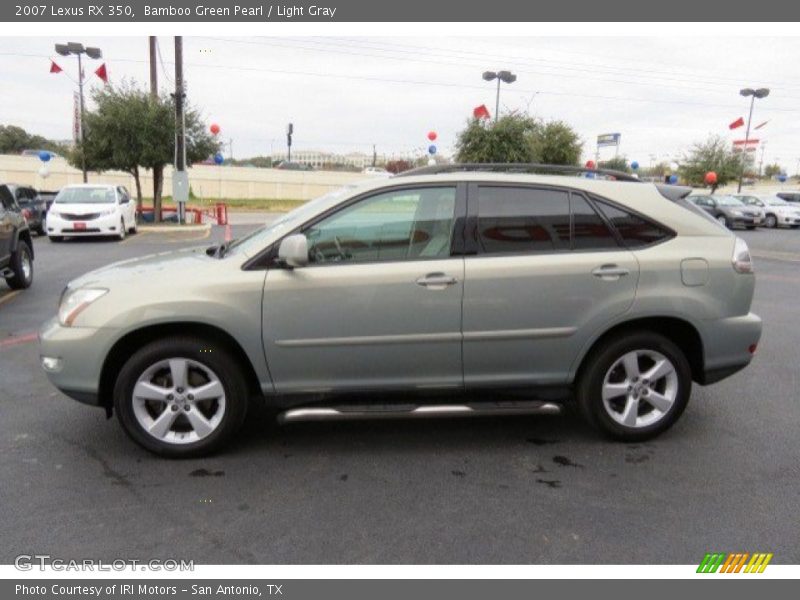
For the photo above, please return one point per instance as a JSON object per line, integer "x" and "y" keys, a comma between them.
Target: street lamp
{"x": 759, "y": 93}
{"x": 74, "y": 48}
{"x": 505, "y": 76}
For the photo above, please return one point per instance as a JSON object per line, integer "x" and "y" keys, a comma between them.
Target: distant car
{"x": 792, "y": 197}
{"x": 293, "y": 166}
{"x": 33, "y": 208}
{"x": 376, "y": 172}
{"x": 777, "y": 211}
{"x": 16, "y": 245}
{"x": 729, "y": 211}
{"x": 48, "y": 198}
{"x": 91, "y": 209}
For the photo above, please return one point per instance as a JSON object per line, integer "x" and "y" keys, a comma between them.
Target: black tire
{"x": 771, "y": 221}
{"x": 603, "y": 358}
{"x": 56, "y": 238}
{"x": 19, "y": 258}
{"x": 122, "y": 231}
{"x": 210, "y": 355}
{"x": 723, "y": 220}
{"x": 751, "y": 227}
{"x": 40, "y": 230}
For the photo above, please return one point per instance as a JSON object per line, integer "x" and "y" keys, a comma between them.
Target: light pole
{"x": 759, "y": 93}
{"x": 505, "y": 76}
{"x": 78, "y": 49}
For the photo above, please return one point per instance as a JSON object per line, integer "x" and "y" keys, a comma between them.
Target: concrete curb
{"x": 173, "y": 228}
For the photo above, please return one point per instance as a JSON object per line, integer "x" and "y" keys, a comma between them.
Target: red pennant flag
{"x": 481, "y": 112}
{"x": 737, "y": 123}
{"x": 102, "y": 73}
{"x": 54, "y": 68}
{"x": 760, "y": 125}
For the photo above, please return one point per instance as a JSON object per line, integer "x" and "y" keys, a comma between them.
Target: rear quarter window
{"x": 634, "y": 230}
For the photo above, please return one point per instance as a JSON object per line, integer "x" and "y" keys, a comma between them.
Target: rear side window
{"x": 634, "y": 230}
{"x": 522, "y": 220}
{"x": 589, "y": 230}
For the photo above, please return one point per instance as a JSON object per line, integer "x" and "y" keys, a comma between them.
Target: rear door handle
{"x": 436, "y": 281}
{"x": 610, "y": 272}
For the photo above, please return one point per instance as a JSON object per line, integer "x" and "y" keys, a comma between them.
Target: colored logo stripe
{"x": 734, "y": 562}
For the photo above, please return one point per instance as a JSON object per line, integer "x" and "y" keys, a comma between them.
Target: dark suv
{"x": 33, "y": 207}
{"x": 16, "y": 246}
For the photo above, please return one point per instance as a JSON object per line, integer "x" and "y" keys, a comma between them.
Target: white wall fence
{"x": 209, "y": 182}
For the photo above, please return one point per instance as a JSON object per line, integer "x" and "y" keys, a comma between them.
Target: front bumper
{"x": 729, "y": 345}
{"x": 104, "y": 225}
{"x": 73, "y": 357}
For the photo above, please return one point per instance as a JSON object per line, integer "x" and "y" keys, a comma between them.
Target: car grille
{"x": 87, "y": 230}
{"x": 73, "y": 217}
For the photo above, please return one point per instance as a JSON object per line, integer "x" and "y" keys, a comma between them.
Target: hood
{"x": 82, "y": 209}
{"x": 167, "y": 266}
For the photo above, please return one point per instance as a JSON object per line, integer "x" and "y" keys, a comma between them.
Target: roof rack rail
{"x": 517, "y": 168}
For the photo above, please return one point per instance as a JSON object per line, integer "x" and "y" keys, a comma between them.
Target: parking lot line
{"x": 16, "y": 340}
{"x": 8, "y": 296}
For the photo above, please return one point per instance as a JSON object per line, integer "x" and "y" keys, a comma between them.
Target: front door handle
{"x": 436, "y": 281}
{"x": 610, "y": 272}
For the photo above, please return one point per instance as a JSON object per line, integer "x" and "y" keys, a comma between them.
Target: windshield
{"x": 727, "y": 201}
{"x": 258, "y": 239}
{"x": 86, "y": 195}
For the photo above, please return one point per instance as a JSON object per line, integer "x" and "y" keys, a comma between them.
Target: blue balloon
{"x": 431, "y": 149}
{"x": 218, "y": 158}
{"x": 44, "y": 156}
{"x": 782, "y": 178}
{"x": 673, "y": 179}
{"x": 634, "y": 165}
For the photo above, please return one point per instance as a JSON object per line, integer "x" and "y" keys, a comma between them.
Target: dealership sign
{"x": 608, "y": 139}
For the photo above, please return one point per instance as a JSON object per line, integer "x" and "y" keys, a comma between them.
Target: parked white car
{"x": 376, "y": 172}
{"x": 91, "y": 209}
{"x": 777, "y": 211}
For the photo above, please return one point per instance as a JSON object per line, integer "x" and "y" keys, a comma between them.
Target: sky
{"x": 345, "y": 94}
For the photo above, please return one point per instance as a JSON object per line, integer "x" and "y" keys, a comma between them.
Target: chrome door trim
{"x": 367, "y": 340}
{"x": 511, "y": 334}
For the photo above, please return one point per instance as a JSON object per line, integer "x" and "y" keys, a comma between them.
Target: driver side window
{"x": 408, "y": 224}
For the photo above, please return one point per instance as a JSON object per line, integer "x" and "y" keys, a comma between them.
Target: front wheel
{"x": 635, "y": 386}
{"x": 181, "y": 397}
{"x": 723, "y": 220}
{"x": 21, "y": 267}
{"x": 122, "y": 230}
{"x": 771, "y": 221}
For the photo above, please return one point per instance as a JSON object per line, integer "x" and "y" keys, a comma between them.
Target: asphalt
{"x": 495, "y": 490}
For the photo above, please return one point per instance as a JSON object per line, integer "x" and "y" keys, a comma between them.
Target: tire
{"x": 751, "y": 227}
{"x": 606, "y": 369}
{"x": 40, "y": 230}
{"x": 122, "y": 230}
{"x": 133, "y": 229}
{"x": 205, "y": 364}
{"x": 723, "y": 220}
{"x": 56, "y": 238}
{"x": 771, "y": 221}
{"x": 21, "y": 264}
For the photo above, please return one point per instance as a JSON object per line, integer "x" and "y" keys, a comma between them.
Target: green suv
{"x": 454, "y": 290}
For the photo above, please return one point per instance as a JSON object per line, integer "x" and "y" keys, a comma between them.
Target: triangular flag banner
{"x": 760, "y": 125}
{"x": 480, "y": 112}
{"x": 54, "y": 68}
{"x": 102, "y": 73}
{"x": 737, "y": 123}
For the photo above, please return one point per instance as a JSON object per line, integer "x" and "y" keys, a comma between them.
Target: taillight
{"x": 742, "y": 261}
{"x": 26, "y": 213}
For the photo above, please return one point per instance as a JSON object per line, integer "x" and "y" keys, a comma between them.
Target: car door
{"x": 379, "y": 304}
{"x": 546, "y": 274}
{"x": 6, "y": 224}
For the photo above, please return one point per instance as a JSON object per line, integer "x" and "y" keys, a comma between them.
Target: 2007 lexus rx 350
{"x": 448, "y": 291}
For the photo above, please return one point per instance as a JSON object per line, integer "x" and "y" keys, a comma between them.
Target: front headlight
{"x": 73, "y": 302}
{"x": 108, "y": 211}
{"x": 53, "y": 213}
{"x": 738, "y": 213}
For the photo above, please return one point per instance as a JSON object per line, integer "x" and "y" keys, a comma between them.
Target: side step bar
{"x": 532, "y": 407}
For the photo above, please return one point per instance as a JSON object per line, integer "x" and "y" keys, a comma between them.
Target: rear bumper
{"x": 729, "y": 345}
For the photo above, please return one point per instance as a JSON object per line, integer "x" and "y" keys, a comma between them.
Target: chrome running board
{"x": 480, "y": 409}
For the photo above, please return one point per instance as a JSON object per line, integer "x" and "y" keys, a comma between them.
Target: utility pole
{"x": 761, "y": 161}
{"x": 289, "y": 132}
{"x": 374, "y": 156}
{"x": 180, "y": 179}
{"x": 153, "y": 67}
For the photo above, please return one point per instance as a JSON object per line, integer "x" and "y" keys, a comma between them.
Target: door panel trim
{"x": 513, "y": 334}
{"x": 368, "y": 340}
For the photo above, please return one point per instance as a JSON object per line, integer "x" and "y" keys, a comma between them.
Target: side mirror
{"x": 293, "y": 251}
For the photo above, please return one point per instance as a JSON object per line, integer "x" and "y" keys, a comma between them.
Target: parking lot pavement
{"x": 512, "y": 490}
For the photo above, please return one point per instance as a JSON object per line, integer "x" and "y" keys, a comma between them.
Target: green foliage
{"x": 772, "y": 170}
{"x": 618, "y": 163}
{"x": 714, "y": 154}
{"x": 518, "y": 138}
{"x": 14, "y": 140}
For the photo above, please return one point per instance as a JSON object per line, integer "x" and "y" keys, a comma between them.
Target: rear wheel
{"x": 635, "y": 386}
{"x": 771, "y": 221}
{"x": 181, "y": 397}
{"x": 21, "y": 265}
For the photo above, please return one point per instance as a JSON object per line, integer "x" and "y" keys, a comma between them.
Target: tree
{"x": 517, "y": 138}
{"x": 398, "y": 166}
{"x": 714, "y": 154}
{"x": 14, "y": 140}
{"x": 130, "y": 129}
{"x": 772, "y": 170}
{"x": 618, "y": 163}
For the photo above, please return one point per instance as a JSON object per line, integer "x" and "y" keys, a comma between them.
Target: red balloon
{"x": 214, "y": 129}
{"x": 590, "y": 164}
{"x": 711, "y": 178}
{"x": 432, "y": 136}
